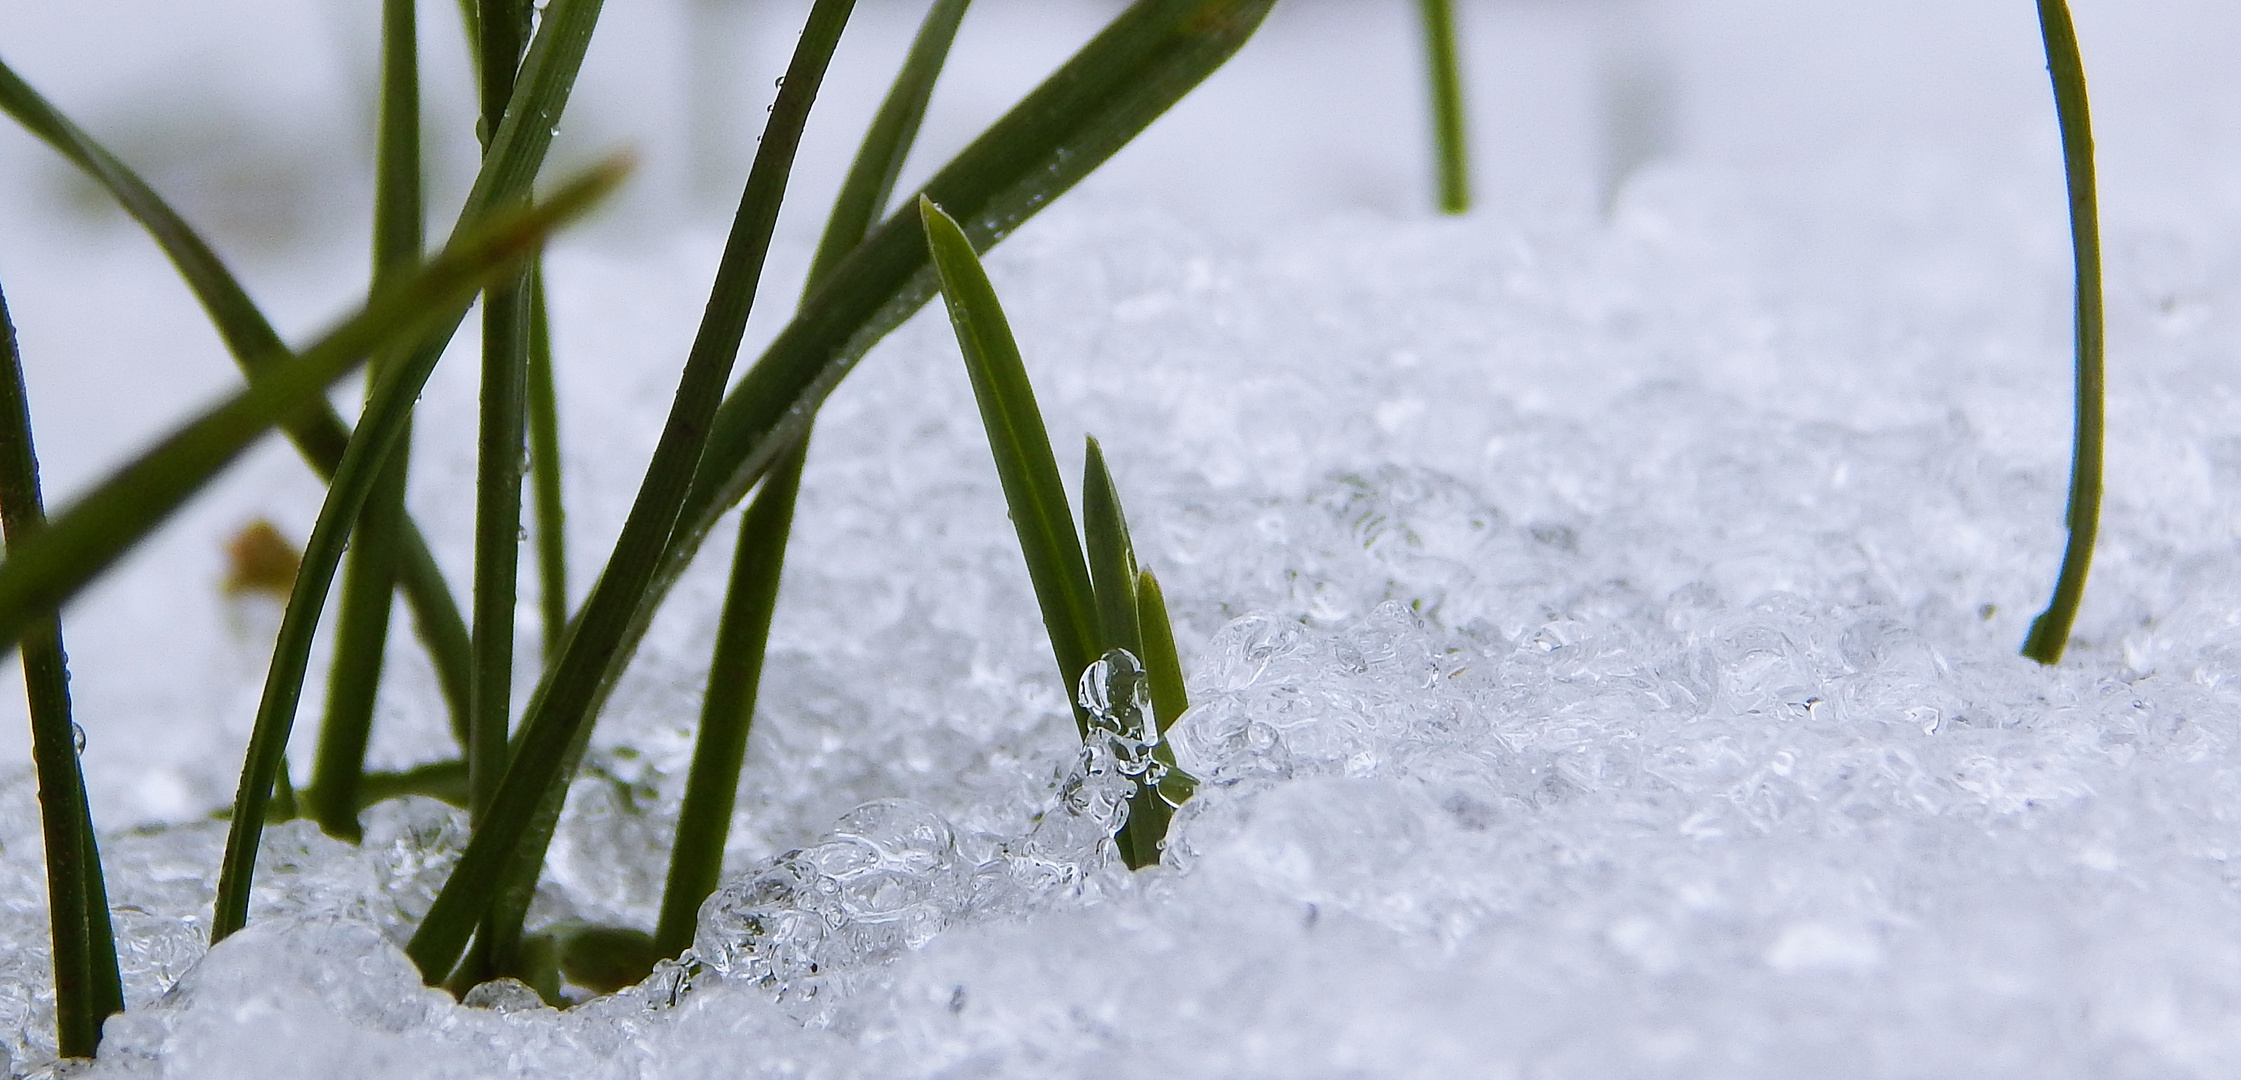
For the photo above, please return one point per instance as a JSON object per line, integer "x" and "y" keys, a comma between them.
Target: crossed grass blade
{"x": 1450, "y": 137}
{"x": 369, "y": 572}
{"x": 495, "y": 875}
{"x": 318, "y": 434}
{"x": 758, "y": 560}
{"x": 432, "y": 297}
{"x": 83, "y": 948}
{"x": 2050, "y": 631}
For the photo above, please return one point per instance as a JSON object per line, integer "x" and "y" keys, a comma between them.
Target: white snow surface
{"x": 1602, "y": 627}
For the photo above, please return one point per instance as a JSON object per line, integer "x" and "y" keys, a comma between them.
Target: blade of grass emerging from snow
{"x": 500, "y": 445}
{"x": 742, "y": 636}
{"x": 43, "y": 573}
{"x": 544, "y": 470}
{"x": 514, "y": 831}
{"x": 369, "y": 575}
{"x": 1161, "y": 664}
{"x": 86, "y": 986}
{"x": 317, "y": 432}
{"x": 1450, "y": 138}
{"x": 2050, "y": 632}
{"x": 438, "y": 292}
{"x": 1112, "y": 559}
{"x": 1021, "y": 445}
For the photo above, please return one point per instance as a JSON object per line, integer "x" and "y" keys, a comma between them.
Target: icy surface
{"x": 1601, "y": 631}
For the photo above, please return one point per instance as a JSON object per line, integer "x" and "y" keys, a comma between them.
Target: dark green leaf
{"x": 1161, "y": 664}
{"x": 1112, "y": 558}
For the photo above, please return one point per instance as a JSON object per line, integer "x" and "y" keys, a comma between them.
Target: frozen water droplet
{"x": 77, "y": 737}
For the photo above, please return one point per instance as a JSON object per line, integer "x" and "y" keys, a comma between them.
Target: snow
{"x": 1601, "y": 611}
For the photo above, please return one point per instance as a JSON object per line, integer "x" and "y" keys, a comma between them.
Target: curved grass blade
{"x": 1024, "y": 463}
{"x": 438, "y": 292}
{"x": 544, "y": 471}
{"x": 1112, "y": 558}
{"x": 1161, "y": 664}
{"x": 553, "y": 731}
{"x": 2050, "y": 632}
{"x": 1450, "y": 138}
{"x": 727, "y": 712}
{"x": 86, "y": 985}
{"x": 370, "y": 570}
{"x": 317, "y": 432}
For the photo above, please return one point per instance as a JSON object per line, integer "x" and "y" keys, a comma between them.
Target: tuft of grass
{"x": 87, "y": 989}
{"x": 1090, "y": 604}
{"x": 1450, "y": 137}
{"x": 488, "y": 885}
{"x": 2050, "y": 631}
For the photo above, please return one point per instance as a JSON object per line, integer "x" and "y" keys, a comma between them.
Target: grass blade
{"x": 1112, "y": 558}
{"x": 1450, "y": 138}
{"x": 438, "y": 292}
{"x": 1161, "y": 664}
{"x": 557, "y": 720}
{"x": 727, "y": 713}
{"x": 2050, "y": 632}
{"x": 86, "y": 986}
{"x": 370, "y": 572}
{"x": 544, "y": 470}
{"x": 1024, "y": 463}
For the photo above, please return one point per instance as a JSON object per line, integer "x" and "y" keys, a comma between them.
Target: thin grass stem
{"x": 2050, "y": 631}
{"x": 544, "y": 470}
{"x": 1112, "y": 557}
{"x": 727, "y": 713}
{"x": 370, "y": 567}
{"x": 77, "y": 904}
{"x": 553, "y": 731}
{"x": 742, "y": 635}
{"x": 1450, "y": 136}
{"x": 1161, "y": 664}
{"x": 502, "y": 434}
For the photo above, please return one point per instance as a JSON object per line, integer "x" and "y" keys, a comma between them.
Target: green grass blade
{"x": 1161, "y": 663}
{"x": 544, "y": 471}
{"x": 438, "y": 292}
{"x": 1450, "y": 138}
{"x": 2050, "y": 632}
{"x": 370, "y": 571}
{"x": 1024, "y": 463}
{"x": 742, "y": 635}
{"x": 77, "y": 906}
{"x": 558, "y": 715}
{"x": 727, "y": 713}
{"x": 1112, "y": 558}
{"x": 501, "y": 441}
{"x": 318, "y": 433}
